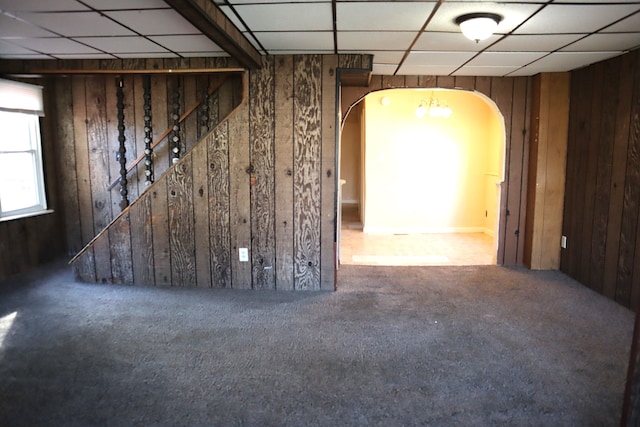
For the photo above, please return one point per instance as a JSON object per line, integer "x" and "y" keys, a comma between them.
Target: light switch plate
{"x": 244, "y": 254}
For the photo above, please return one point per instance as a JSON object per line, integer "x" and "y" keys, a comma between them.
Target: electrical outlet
{"x": 244, "y": 254}
{"x": 563, "y": 242}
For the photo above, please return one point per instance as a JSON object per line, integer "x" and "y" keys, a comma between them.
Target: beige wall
{"x": 431, "y": 174}
{"x": 350, "y": 156}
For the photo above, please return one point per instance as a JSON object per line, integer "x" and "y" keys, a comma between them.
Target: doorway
{"x": 420, "y": 173}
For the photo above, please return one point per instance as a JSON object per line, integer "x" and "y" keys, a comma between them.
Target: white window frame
{"x": 26, "y": 99}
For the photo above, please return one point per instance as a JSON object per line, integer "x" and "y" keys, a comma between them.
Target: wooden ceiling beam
{"x": 208, "y": 18}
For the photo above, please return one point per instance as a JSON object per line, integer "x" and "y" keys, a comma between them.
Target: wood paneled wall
{"x": 512, "y": 96}
{"x": 263, "y": 179}
{"x": 602, "y": 201}
{"x": 28, "y": 242}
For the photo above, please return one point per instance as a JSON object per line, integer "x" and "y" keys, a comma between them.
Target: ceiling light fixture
{"x": 478, "y": 26}
{"x": 433, "y": 108}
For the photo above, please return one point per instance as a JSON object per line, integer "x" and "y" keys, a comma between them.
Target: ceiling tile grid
{"x": 405, "y": 37}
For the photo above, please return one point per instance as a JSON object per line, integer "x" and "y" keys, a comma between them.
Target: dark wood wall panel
{"x": 512, "y": 97}
{"x": 602, "y": 211}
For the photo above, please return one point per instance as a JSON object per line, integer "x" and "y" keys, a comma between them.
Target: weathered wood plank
{"x": 427, "y": 81}
{"x": 328, "y": 249}
{"x": 181, "y": 223}
{"x": 261, "y": 151}
{"x": 201, "y": 215}
{"x": 284, "y": 171}
{"x": 67, "y": 164}
{"x": 97, "y": 137}
{"x": 520, "y": 131}
{"x": 219, "y": 205}
{"x": 160, "y": 229}
{"x": 239, "y": 204}
{"x": 120, "y": 246}
{"x": 307, "y": 154}
{"x": 85, "y": 268}
{"x": 142, "y": 241}
{"x": 111, "y": 143}
{"x": 132, "y": 119}
{"x": 159, "y": 107}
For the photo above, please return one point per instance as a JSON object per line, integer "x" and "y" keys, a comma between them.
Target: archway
{"x": 436, "y": 176}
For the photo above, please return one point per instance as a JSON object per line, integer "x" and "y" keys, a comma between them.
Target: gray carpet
{"x": 440, "y": 346}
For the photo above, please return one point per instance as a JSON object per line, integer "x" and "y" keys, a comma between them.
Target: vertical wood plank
{"x": 142, "y": 241}
{"x": 99, "y": 171}
{"x": 160, "y": 229}
{"x": 284, "y": 171}
{"x": 465, "y": 82}
{"x": 131, "y": 121}
{"x": 85, "y": 269}
{"x": 239, "y": 205}
{"x": 201, "y": 215}
{"x": 67, "y": 164}
{"x": 329, "y": 175}
{"x": 111, "y": 143}
{"x": 616, "y": 194}
{"x": 307, "y": 152}
{"x": 120, "y": 245}
{"x": 261, "y": 150}
{"x": 181, "y": 223}
{"x": 447, "y": 82}
{"x": 159, "y": 107}
{"x": 219, "y": 206}
{"x": 520, "y": 132}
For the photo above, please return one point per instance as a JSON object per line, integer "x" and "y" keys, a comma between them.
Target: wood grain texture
{"x": 218, "y": 190}
{"x": 284, "y": 172}
{"x": 86, "y": 268}
{"x": 307, "y": 169}
{"x": 201, "y": 215}
{"x": 181, "y": 223}
{"x": 67, "y": 165}
{"x": 142, "y": 241}
{"x": 239, "y": 191}
{"x": 120, "y": 246}
{"x": 160, "y": 229}
{"x": 329, "y": 175}
{"x": 261, "y": 151}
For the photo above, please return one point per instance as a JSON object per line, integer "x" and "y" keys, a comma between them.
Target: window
{"x": 21, "y": 173}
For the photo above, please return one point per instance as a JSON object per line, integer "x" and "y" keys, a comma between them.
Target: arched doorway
{"x": 424, "y": 182}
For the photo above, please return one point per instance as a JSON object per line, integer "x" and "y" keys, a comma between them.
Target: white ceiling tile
{"x": 605, "y": 42}
{"x": 41, "y": 5}
{"x": 211, "y": 54}
{"x": 11, "y": 27}
{"x": 384, "y": 69}
{"x": 391, "y": 16}
{"x": 362, "y": 40}
{"x": 188, "y": 43}
{"x": 76, "y": 24}
{"x": 512, "y": 15}
{"x": 118, "y": 45}
{"x": 234, "y": 2}
{"x": 505, "y": 59}
{"x": 583, "y": 18}
{"x": 426, "y": 70}
{"x": 567, "y": 61}
{"x": 451, "y": 42}
{"x": 484, "y": 71}
{"x": 24, "y": 56}
{"x": 318, "y": 40}
{"x": 13, "y": 49}
{"x": 629, "y": 24}
{"x": 154, "y": 22}
{"x": 84, "y": 56}
{"x": 233, "y": 17}
{"x": 454, "y": 59}
{"x": 146, "y": 55}
{"x": 55, "y": 46}
{"x": 287, "y": 16}
{"x": 534, "y": 42}
{"x": 126, "y": 4}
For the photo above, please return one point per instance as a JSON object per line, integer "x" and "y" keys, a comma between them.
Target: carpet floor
{"x": 409, "y": 346}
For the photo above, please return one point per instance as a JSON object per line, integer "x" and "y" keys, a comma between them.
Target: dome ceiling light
{"x": 478, "y": 26}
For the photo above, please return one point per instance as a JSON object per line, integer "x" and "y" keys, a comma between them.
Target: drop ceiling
{"x": 404, "y": 37}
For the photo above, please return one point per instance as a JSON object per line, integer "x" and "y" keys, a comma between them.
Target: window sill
{"x": 26, "y": 215}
